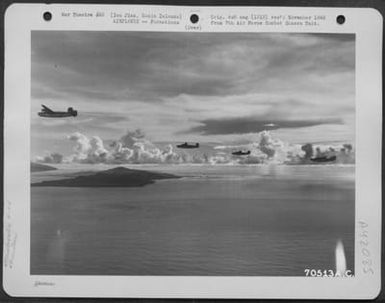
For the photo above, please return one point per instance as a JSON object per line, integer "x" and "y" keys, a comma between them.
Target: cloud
{"x": 87, "y": 150}
{"x": 128, "y": 65}
{"x": 173, "y": 84}
{"x": 131, "y": 148}
{"x": 134, "y": 148}
{"x": 252, "y": 125}
{"x": 54, "y": 158}
{"x": 268, "y": 149}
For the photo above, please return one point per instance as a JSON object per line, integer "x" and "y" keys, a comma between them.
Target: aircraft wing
{"x": 46, "y": 109}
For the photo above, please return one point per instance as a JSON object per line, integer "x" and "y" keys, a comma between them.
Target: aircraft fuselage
{"x": 241, "y": 153}
{"x": 185, "y": 145}
{"x": 57, "y": 115}
{"x": 324, "y": 159}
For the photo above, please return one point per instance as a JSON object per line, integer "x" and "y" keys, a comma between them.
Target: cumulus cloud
{"x": 135, "y": 148}
{"x": 268, "y": 149}
{"x": 53, "y": 158}
{"x": 132, "y": 148}
{"x": 344, "y": 153}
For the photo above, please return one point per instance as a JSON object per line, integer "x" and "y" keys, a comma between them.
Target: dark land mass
{"x": 36, "y": 167}
{"x": 115, "y": 177}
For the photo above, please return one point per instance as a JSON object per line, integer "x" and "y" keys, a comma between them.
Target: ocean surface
{"x": 266, "y": 220}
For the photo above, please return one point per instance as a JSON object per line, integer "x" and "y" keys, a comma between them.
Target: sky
{"x": 198, "y": 87}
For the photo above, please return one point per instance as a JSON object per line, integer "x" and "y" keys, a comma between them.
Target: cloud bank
{"x": 134, "y": 148}
{"x": 252, "y": 125}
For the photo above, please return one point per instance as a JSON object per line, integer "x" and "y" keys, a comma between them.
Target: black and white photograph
{"x": 226, "y": 154}
{"x": 192, "y": 152}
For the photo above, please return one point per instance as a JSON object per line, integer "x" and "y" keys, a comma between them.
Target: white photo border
{"x": 21, "y": 19}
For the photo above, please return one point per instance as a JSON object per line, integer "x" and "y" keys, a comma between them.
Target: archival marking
{"x": 327, "y": 273}
{"x": 363, "y": 237}
{"x": 235, "y": 20}
{"x": 42, "y": 283}
{"x": 267, "y": 20}
{"x": 10, "y": 237}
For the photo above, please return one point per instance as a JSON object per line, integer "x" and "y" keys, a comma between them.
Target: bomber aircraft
{"x": 49, "y": 113}
{"x": 241, "y": 153}
{"x": 186, "y": 145}
{"x": 324, "y": 159}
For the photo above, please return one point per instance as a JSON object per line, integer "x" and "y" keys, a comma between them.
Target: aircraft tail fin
{"x": 46, "y": 109}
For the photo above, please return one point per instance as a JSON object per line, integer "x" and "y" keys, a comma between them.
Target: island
{"x": 36, "y": 167}
{"x": 115, "y": 177}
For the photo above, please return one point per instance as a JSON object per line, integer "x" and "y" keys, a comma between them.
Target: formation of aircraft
{"x": 49, "y": 113}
